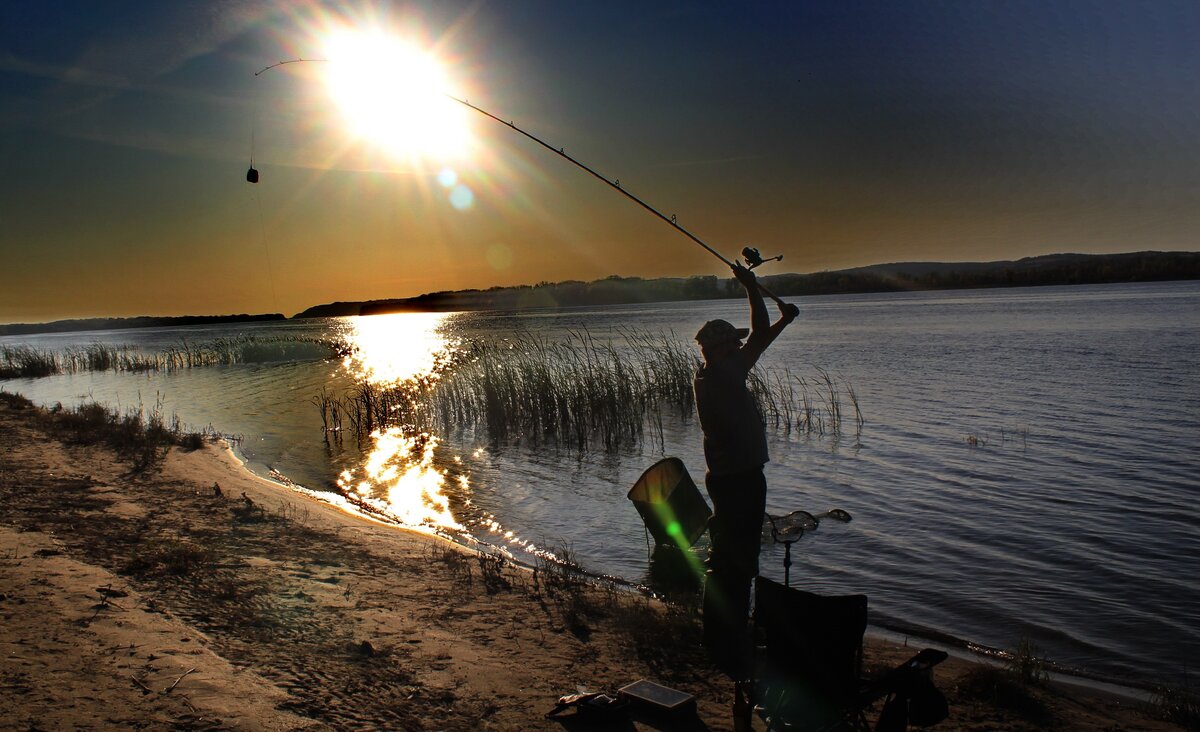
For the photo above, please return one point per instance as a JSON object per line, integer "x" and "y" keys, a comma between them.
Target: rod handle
{"x": 770, "y": 294}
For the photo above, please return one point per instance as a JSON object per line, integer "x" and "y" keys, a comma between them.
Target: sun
{"x": 392, "y": 94}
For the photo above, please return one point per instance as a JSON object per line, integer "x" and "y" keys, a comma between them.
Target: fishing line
{"x": 615, "y": 183}
{"x": 262, "y": 233}
{"x": 252, "y": 177}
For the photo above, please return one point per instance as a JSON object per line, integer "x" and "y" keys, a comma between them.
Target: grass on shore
{"x": 666, "y": 636}
{"x": 1178, "y": 703}
{"x": 142, "y": 437}
{"x": 1011, "y": 687}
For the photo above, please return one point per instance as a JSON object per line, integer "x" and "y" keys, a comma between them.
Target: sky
{"x": 837, "y": 134}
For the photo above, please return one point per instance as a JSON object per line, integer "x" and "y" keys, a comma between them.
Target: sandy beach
{"x": 194, "y": 595}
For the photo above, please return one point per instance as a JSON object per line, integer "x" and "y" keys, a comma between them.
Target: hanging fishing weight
{"x": 252, "y": 175}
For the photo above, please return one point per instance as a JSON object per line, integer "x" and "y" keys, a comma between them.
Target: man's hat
{"x": 720, "y": 331}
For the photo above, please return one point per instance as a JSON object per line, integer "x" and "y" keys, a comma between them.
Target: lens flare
{"x": 462, "y": 197}
{"x": 447, "y": 177}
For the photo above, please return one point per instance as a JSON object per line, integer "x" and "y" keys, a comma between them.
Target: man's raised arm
{"x": 762, "y": 331}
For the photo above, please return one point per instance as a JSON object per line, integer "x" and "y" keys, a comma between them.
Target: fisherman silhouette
{"x": 735, "y": 448}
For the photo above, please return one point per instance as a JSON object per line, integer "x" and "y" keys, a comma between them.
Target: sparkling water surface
{"x": 1027, "y": 468}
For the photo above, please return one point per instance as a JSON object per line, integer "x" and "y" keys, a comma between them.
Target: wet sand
{"x": 152, "y": 600}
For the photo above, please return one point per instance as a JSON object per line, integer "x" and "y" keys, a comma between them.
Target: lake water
{"x": 1027, "y": 468}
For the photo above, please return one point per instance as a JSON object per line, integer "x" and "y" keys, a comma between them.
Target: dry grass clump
{"x": 1025, "y": 663}
{"x": 455, "y": 561}
{"x": 15, "y": 401}
{"x": 580, "y": 599}
{"x": 491, "y": 569}
{"x": 1178, "y": 703}
{"x": 999, "y": 688}
{"x": 662, "y": 634}
{"x": 139, "y": 436}
{"x": 1012, "y": 687}
{"x": 167, "y": 556}
{"x": 557, "y": 571}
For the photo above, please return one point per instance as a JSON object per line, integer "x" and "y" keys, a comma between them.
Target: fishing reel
{"x": 754, "y": 259}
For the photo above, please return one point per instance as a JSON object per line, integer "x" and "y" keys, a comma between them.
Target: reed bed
{"x": 810, "y": 405}
{"x": 579, "y": 393}
{"x": 28, "y": 362}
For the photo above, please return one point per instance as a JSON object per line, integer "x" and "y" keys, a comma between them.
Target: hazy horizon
{"x": 836, "y": 134}
{"x": 763, "y": 273}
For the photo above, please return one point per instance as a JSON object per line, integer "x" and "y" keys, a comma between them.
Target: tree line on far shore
{"x": 142, "y": 321}
{"x": 1053, "y": 269}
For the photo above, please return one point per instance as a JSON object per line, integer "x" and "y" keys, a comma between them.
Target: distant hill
{"x": 144, "y": 321}
{"x": 1052, "y": 269}
{"x": 1049, "y": 269}
{"x": 610, "y": 290}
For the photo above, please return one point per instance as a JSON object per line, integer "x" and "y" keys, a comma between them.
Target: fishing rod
{"x": 753, "y": 258}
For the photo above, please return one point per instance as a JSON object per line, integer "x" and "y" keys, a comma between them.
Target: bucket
{"x": 673, "y": 510}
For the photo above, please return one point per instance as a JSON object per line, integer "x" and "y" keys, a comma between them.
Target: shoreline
{"x": 898, "y": 633}
{"x": 997, "y": 658}
{"x": 284, "y": 612}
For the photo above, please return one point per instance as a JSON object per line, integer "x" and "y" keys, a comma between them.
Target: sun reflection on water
{"x": 387, "y": 349}
{"x": 405, "y": 475}
{"x": 400, "y": 481}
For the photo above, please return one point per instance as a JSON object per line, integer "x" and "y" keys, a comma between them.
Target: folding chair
{"x": 808, "y": 666}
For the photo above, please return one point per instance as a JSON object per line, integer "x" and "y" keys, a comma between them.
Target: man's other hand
{"x": 743, "y": 275}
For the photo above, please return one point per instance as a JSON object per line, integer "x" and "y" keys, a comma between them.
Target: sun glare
{"x": 388, "y": 349}
{"x": 392, "y": 94}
